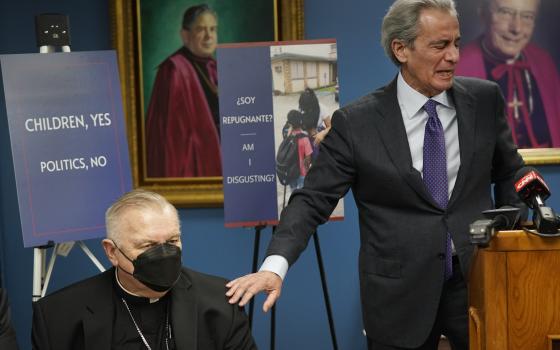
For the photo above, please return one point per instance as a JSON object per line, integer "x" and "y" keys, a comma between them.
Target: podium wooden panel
{"x": 514, "y": 293}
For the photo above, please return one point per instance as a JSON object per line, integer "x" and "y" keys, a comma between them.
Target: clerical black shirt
{"x": 150, "y": 317}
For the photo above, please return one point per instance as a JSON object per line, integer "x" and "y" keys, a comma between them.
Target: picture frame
{"x": 473, "y": 26}
{"x": 127, "y": 40}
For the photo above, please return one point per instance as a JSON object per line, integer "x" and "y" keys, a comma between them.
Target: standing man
{"x": 420, "y": 156}
{"x": 526, "y": 73}
{"x": 182, "y": 124}
{"x": 147, "y": 300}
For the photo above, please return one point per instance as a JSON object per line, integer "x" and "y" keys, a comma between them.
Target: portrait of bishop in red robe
{"x": 526, "y": 73}
{"x": 182, "y": 123}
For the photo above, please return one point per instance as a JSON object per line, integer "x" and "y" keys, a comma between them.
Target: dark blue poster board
{"x": 68, "y": 142}
{"x": 247, "y": 135}
{"x": 259, "y": 84}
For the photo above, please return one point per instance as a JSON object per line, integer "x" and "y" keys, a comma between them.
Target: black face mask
{"x": 158, "y": 268}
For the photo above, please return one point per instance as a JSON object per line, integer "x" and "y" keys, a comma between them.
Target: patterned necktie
{"x": 435, "y": 170}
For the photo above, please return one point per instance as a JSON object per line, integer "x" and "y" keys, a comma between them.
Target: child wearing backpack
{"x": 294, "y": 154}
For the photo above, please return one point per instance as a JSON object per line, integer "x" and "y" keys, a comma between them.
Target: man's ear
{"x": 399, "y": 50}
{"x": 110, "y": 251}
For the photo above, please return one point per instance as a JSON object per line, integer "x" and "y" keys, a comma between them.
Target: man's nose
{"x": 452, "y": 55}
{"x": 515, "y": 23}
{"x": 207, "y": 33}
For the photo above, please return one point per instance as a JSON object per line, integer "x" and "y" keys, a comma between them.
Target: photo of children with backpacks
{"x": 293, "y": 158}
{"x": 304, "y": 79}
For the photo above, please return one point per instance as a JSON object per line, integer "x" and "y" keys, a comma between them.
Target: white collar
{"x": 152, "y": 300}
{"x": 412, "y": 101}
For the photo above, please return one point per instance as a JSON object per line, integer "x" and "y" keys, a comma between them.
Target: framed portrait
{"x": 514, "y": 43}
{"x": 148, "y": 34}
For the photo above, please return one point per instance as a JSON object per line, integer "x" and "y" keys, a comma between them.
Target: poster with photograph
{"x": 276, "y": 101}
{"x": 305, "y": 95}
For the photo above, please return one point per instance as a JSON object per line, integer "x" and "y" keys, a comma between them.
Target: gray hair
{"x": 193, "y": 12}
{"x": 401, "y": 22}
{"x": 136, "y": 199}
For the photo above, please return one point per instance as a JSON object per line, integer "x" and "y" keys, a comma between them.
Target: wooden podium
{"x": 514, "y": 293}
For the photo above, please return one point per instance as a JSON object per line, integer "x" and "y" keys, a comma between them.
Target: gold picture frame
{"x": 540, "y": 156}
{"x": 126, "y": 39}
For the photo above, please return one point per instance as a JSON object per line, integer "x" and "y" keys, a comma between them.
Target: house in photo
{"x": 294, "y": 71}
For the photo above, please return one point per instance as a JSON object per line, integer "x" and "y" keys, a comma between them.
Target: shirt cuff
{"x": 277, "y": 264}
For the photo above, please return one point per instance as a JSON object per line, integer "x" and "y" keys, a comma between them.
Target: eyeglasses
{"x": 509, "y": 14}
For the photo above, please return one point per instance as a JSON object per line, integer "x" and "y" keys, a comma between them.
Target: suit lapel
{"x": 466, "y": 119}
{"x": 183, "y": 314}
{"x": 98, "y": 315}
{"x": 393, "y": 133}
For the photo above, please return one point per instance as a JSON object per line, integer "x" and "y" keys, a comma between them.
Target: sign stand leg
{"x": 324, "y": 287}
{"x": 39, "y": 258}
{"x": 258, "y": 230}
{"x": 91, "y": 256}
{"x": 256, "y": 246}
{"x": 325, "y": 290}
{"x": 41, "y": 277}
{"x": 50, "y": 268}
{"x": 273, "y": 327}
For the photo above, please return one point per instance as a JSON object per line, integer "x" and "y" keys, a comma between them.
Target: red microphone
{"x": 532, "y": 189}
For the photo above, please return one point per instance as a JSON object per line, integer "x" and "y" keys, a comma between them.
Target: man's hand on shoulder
{"x": 242, "y": 289}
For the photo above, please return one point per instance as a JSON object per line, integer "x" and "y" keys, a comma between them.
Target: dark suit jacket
{"x": 81, "y": 316}
{"x": 402, "y": 230}
{"x": 7, "y": 334}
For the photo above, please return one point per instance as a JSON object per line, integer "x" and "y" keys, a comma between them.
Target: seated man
{"x": 7, "y": 333}
{"x": 147, "y": 300}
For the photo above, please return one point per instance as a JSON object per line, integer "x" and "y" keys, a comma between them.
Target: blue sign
{"x": 247, "y": 131}
{"x": 259, "y": 86}
{"x": 68, "y": 142}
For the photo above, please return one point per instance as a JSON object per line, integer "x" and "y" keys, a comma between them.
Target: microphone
{"x": 504, "y": 218}
{"x": 532, "y": 189}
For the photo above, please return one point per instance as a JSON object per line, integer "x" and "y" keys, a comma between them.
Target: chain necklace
{"x": 167, "y": 328}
